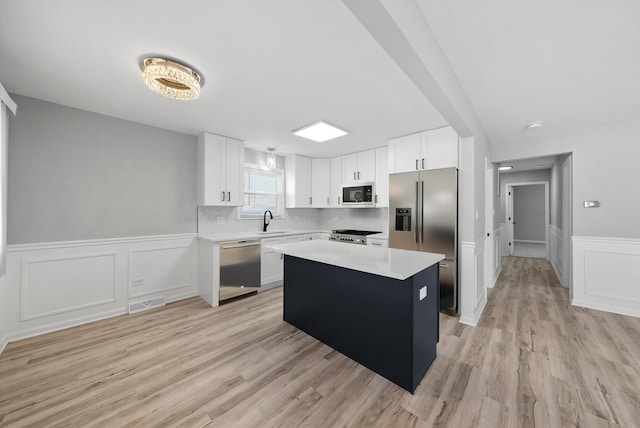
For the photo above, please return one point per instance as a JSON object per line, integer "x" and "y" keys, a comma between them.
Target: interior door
{"x": 510, "y": 220}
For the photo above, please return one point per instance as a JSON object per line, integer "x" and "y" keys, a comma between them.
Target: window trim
{"x": 280, "y": 184}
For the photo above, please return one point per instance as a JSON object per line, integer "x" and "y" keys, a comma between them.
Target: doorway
{"x": 527, "y": 215}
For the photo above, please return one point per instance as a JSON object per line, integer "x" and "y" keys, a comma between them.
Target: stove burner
{"x": 351, "y": 236}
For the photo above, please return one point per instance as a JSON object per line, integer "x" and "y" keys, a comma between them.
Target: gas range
{"x": 351, "y": 236}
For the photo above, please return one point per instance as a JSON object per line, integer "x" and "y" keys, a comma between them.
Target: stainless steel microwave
{"x": 358, "y": 194}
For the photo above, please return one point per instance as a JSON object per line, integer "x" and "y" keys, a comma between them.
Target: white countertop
{"x": 389, "y": 262}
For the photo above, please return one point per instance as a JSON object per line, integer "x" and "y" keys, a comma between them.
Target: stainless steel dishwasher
{"x": 239, "y": 268}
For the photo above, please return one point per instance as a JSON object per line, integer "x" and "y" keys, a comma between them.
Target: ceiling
{"x": 273, "y": 66}
{"x": 519, "y": 165}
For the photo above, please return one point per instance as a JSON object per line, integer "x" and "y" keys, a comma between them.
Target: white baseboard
{"x": 606, "y": 275}
{"x": 52, "y": 286}
{"x": 3, "y": 342}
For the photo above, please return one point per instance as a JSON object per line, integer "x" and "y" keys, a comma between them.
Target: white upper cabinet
{"x": 220, "y": 168}
{"x": 404, "y": 153}
{"x": 382, "y": 177}
{"x": 440, "y": 148}
{"x": 336, "y": 182}
{"x": 433, "y": 149}
{"x": 359, "y": 167}
{"x": 320, "y": 182}
{"x": 297, "y": 173}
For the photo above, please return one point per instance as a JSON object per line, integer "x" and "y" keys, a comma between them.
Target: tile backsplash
{"x": 294, "y": 219}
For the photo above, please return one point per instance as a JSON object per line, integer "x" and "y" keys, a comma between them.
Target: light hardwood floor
{"x": 533, "y": 361}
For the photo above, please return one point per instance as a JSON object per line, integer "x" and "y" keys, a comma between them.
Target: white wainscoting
{"x": 555, "y": 251}
{"x": 57, "y": 285}
{"x": 504, "y": 244}
{"x": 473, "y": 292}
{"x": 606, "y": 274}
{"x": 496, "y": 258}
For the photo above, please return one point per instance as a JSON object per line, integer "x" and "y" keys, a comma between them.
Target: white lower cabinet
{"x": 272, "y": 263}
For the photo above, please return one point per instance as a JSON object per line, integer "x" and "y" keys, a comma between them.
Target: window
{"x": 263, "y": 190}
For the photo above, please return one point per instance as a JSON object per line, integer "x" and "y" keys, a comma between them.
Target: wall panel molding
{"x": 61, "y": 284}
{"x": 606, "y": 276}
{"x": 496, "y": 262}
{"x": 555, "y": 251}
{"x": 473, "y": 292}
{"x": 51, "y": 286}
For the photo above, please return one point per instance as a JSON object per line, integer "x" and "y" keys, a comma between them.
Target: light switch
{"x": 423, "y": 292}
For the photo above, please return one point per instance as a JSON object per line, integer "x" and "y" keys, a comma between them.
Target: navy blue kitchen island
{"x": 377, "y": 306}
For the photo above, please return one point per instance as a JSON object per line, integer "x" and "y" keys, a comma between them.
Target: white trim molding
{"x": 496, "y": 258}
{"x": 605, "y": 275}
{"x": 555, "y": 252}
{"x": 473, "y": 292}
{"x": 56, "y": 285}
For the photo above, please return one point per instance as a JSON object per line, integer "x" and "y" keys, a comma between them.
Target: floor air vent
{"x": 146, "y": 304}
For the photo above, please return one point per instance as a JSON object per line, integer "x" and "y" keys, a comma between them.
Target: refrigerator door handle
{"x": 417, "y": 208}
{"x": 422, "y": 214}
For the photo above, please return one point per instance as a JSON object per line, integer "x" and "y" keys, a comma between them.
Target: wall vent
{"x": 146, "y": 304}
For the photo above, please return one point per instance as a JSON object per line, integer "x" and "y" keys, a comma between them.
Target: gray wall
{"x": 556, "y": 192}
{"x": 77, "y": 175}
{"x": 528, "y": 213}
{"x": 604, "y": 166}
{"x": 518, "y": 177}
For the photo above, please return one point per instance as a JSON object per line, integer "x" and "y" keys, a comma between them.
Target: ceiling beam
{"x": 401, "y": 30}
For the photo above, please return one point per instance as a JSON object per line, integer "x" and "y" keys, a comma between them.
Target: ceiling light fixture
{"x": 171, "y": 79}
{"x": 319, "y": 132}
{"x": 271, "y": 158}
{"x": 534, "y": 125}
{"x": 504, "y": 168}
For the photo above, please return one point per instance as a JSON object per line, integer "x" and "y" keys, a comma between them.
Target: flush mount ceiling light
{"x": 319, "y": 132}
{"x": 171, "y": 79}
{"x": 504, "y": 168}
{"x": 271, "y": 158}
{"x": 534, "y": 125}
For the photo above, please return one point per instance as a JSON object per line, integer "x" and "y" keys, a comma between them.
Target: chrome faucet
{"x": 265, "y": 223}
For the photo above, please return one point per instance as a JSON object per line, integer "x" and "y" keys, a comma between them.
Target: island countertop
{"x": 389, "y": 262}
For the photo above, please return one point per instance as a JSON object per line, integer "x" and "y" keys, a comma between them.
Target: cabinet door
{"x": 441, "y": 148}
{"x": 382, "y": 177}
{"x": 297, "y": 181}
{"x": 234, "y": 167}
{"x": 336, "y": 182}
{"x": 350, "y": 169}
{"x": 320, "y": 185}
{"x": 271, "y": 264}
{"x": 366, "y": 172}
{"x": 406, "y": 153}
{"x": 211, "y": 153}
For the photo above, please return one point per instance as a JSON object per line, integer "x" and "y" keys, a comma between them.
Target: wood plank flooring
{"x": 534, "y": 360}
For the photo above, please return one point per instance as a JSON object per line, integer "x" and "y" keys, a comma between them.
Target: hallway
{"x": 557, "y": 364}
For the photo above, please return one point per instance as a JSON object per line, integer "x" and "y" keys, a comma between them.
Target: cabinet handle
{"x": 417, "y": 164}
{"x": 229, "y": 198}
{"x": 354, "y": 176}
{"x": 223, "y": 196}
{"x": 328, "y": 200}
{"x": 310, "y": 200}
{"x": 338, "y": 200}
{"x": 422, "y": 163}
{"x": 376, "y": 244}
{"x": 358, "y": 175}
{"x": 281, "y": 256}
{"x": 376, "y": 200}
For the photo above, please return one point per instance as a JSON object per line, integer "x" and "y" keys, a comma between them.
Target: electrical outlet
{"x": 138, "y": 282}
{"x": 220, "y": 220}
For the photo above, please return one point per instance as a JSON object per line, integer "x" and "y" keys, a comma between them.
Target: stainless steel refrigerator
{"x": 423, "y": 216}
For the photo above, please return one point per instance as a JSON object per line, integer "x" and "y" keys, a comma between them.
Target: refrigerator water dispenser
{"x": 403, "y": 219}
